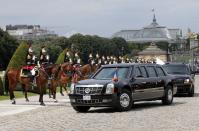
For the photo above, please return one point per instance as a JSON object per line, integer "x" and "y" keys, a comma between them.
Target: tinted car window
{"x": 143, "y": 70}
{"x": 137, "y": 72}
{"x": 176, "y": 69}
{"x": 151, "y": 71}
{"x": 160, "y": 71}
{"x": 108, "y": 73}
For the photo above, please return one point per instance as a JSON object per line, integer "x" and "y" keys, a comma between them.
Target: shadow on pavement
{"x": 186, "y": 95}
{"x": 136, "y": 107}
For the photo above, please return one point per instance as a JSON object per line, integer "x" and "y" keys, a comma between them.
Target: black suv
{"x": 120, "y": 85}
{"x": 184, "y": 77}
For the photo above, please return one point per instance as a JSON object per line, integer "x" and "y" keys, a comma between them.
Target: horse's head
{"x": 67, "y": 67}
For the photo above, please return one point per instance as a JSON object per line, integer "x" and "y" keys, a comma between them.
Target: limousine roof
{"x": 128, "y": 64}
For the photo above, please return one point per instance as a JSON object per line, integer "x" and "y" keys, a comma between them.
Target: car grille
{"x": 92, "y": 90}
{"x": 179, "y": 81}
{"x": 93, "y": 101}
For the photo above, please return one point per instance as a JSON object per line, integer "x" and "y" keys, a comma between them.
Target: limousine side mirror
{"x": 139, "y": 76}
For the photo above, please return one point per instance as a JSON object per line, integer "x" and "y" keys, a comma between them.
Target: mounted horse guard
{"x": 90, "y": 59}
{"x": 44, "y": 57}
{"x": 44, "y": 62}
{"x": 76, "y": 62}
{"x": 67, "y": 57}
{"x": 120, "y": 59}
{"x": 108, "y": 59}
{"x": 115, "y": 61}
{"x": 29, "y": 71}
{"x": 104, "y": 62}
{"x": 123, "y": 60}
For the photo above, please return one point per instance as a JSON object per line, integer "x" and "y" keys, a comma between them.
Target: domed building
{"x": 151, "y": 33}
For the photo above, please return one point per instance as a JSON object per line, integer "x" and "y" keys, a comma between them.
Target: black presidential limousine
{"x": 120, "y": 85}
{"x": 184, "y": 77}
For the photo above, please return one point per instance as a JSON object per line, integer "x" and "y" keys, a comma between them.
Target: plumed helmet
{"x": 90, "y": 56}
{"x": 30, "y": 50}
{"x": 76, "y": 55}
{"x": 68, "y": 53}
{"x": 43, "y": 50}
{"x": 97, "y": 55}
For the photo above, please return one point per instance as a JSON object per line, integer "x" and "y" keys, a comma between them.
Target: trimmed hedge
{"x": 1, "y": 86}
{"x": 60, "y": 59}
{"x": 19, "y": 57}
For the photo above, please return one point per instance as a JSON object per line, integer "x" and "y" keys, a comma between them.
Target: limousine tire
{"x": 81, "y": 108}
{"x": 168, "y": 97}
{"x": 124, "y": 101}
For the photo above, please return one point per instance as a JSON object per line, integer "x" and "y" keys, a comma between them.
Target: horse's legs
{"x": 54, "y": 94}
{"x": 41, "y": 99}
{"x": 41, "y": 95}
{"x": 12, "y": 97}
{"x": 61, "y": 92}
{"x": 11, "y": 92}
{"x": 65, "y": 88}
{"x": 25, "y": 91}
{"x": 50, "y": 92}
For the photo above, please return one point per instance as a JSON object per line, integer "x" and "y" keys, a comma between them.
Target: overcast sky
{"x": 100, "y": 17}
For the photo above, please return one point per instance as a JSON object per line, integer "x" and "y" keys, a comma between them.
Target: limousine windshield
{"x": 176, "y": 69}
{"x": 110, "y": 72}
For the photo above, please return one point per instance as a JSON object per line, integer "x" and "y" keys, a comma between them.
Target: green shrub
{"x": 19, "y": 57}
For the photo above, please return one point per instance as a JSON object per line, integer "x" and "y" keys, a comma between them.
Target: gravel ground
{"x": 182, "y": 115}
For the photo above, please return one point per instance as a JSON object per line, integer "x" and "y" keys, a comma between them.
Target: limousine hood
{"x": 94, "y": 82}
{"x": 183, "y": 76}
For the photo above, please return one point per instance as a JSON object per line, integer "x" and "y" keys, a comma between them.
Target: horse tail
{"x": 6, "y": 83}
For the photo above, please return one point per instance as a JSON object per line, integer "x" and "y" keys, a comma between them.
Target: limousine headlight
{"x": 72, "y": 88}
{"x": 186, "y": 81}
{"x": 110, "y": 88}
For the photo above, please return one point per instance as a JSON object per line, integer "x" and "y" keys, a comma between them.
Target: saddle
{"x": 27, "y": 71}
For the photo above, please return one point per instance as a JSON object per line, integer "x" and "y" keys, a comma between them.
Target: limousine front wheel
{"x": 124, "y": 100}
{"x": 168, "y": 98}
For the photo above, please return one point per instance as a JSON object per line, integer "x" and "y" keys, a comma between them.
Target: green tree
{"x": 1, "y": 87}
{"x": 54, "y": 51}
{"x": 8, "y": 46}
{"x": 19, "y": 57}
{"x": 60, "y": 59}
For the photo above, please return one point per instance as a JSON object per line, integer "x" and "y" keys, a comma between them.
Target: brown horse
{"x": 65, "y": 76}
{"x": 14, "y": 78}
{"x": 41, "y": 80}
{"x": 61, "y": 77}
{"x": 84, "y": 72}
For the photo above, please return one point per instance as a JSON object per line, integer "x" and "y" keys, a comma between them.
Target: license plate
{"x": 86, "y": 97}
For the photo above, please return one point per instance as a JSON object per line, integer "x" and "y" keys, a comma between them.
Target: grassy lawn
{"x": 18, "y": 94}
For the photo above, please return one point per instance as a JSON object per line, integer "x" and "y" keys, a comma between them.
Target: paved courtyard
{"x": 183, "y": 114}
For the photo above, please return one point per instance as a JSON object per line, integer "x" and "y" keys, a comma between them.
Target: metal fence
{"x": 182, "y": 56}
